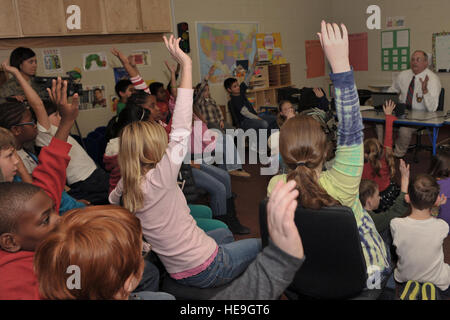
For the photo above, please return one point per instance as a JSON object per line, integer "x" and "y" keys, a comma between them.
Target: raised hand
{"x": 119, "y": 55}
{"x": 58, "y": 95}
{"x": 388, "y": 107}
{"x": 173, "y": 45}
{"x": 280, "y": 219}
{"x": 171, "y": 68}
{"x": 7, "y": 68}
{"x": 335, "y": 46}
{"x": 441, "y": 200}
{"x": 318, "y": 92}
{"x": 404, "y": 171}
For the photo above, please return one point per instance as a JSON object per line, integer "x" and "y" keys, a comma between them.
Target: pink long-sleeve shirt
{"x": 184, "y": 249}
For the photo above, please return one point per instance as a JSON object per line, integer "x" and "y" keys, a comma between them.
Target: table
{"x": 433, "y": 120}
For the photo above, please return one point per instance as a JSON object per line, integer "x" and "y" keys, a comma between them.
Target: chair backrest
{"x": 334, "y": 267}
{"x": 234, "y": 117}
{"x": 441, "y": 100}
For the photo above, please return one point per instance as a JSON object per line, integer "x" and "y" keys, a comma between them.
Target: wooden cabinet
{"x": 9, "y": 26}
{"x": 41, "y": 17}
{"x": 48, "y": 18}
{"x": 91, "y": 16}
{"x": 156, "y": 15}
{"x": 123, "y": 16}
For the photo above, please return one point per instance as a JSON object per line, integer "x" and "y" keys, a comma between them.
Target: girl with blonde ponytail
{"x": 149, "y": 166}
{"x": 304, "y": 149}
{"x": 379, "y": 162}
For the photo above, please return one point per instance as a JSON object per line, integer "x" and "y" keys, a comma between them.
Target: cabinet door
{"x": 156, "y": 15}
{"x": 91, "y": 16}
{"x": 8, "y": 19}
{"x": 41, "y": 17}
{"x": 123, "y": 16}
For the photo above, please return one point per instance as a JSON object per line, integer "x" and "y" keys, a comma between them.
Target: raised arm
{"x": 173, "y": 78}
{"x": 388, "y": 108}
{"x": 167, "y": 169}
{"x": 50, "y": 174}
{"x": 32, "y": 97}
{"x": 342, "y": 181}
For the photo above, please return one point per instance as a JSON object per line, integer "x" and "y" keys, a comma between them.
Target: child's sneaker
{"x": 411, "y": 291}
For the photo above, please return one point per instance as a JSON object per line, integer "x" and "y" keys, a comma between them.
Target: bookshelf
{"x": 266, "y": 82}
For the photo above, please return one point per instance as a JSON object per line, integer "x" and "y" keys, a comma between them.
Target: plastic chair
{"x": 334, "y": 267}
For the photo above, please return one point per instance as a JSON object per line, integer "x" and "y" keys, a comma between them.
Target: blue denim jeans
{"x": 218, "y": 184}
{"x": 231, "y": 261}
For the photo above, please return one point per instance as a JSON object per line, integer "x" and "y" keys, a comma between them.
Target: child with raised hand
{"x": 303, "y": 147}
{"x": 379, "y": 162}
{"x": 149, "y": 189}
{"x": 28, "y": 212}
{"x": 86, "y": 181}
{"x": 19, "y": 119}
{"x": 418, "y": 238}
{"x": 369, "y": 195}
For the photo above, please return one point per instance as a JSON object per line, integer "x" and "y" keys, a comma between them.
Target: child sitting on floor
{"x": 303, "y": 147}
{"x": 92, "y": 239}
{"x": 369, "y": 195}
{"x": 124, "y": 89}
{"x": 418, "y": 238}
{"x": 379, "y": 162}
{"x": 28, "y": 212}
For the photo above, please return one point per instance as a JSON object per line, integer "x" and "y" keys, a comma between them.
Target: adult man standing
{"x": 418, "y": 87}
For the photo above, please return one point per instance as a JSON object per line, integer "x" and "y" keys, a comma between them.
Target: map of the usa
{"x": 223, "y": 44}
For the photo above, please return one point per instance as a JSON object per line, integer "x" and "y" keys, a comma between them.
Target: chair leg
{"x": 418, "y": 146}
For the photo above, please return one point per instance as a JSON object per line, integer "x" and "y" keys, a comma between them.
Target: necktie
{"x": 410, "y": 95}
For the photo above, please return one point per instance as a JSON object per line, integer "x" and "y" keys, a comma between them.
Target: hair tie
{"x": 301, "y": 163}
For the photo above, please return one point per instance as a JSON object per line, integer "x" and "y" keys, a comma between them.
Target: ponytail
{"x": 311, "y": 193}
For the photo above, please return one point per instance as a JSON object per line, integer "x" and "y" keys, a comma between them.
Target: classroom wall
{"x": 423, "y": 18}
{"x": 297, "y": 20}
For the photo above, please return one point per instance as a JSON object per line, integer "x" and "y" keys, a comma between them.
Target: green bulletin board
{"x": 395, "y": 50}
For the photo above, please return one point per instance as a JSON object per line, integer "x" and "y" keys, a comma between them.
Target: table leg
{"x": 435, "y": 135}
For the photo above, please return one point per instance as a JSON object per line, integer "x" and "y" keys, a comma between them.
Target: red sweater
{"x": 384, "y": 179}
{"x": 17, "y": 278}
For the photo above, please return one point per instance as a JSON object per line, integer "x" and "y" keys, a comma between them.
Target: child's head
{"x": 18, "y": 118}
{"x": 204, "y": 93}
{"x": 124, "y": 89}
{"x": 285, "y": 112}
{"x": 104, "y": 242}
{"x": 374, "y": 152}
{"x": 27, "y": 215}
{"x": 144, "y": 100}
{"x": 440, "y": 164}
{"x": 8, "y": 157}
{"x": 232, "y": 86}
{"x": 25, "y": 60}
{"x": 142, "y": 146}
{"x": 304, "y": 147}
{"x": 157, "y": 89}
{"x": 369, "y": 194}
{"x": 423, "y": 191}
